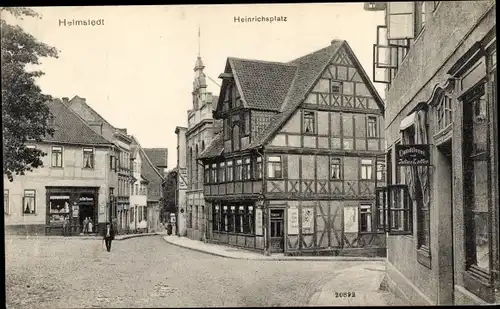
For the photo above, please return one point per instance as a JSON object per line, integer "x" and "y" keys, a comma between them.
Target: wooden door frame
{"x": 283, "y": 208}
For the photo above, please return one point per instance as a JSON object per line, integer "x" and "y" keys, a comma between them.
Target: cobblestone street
{"x": 148, "y": 272}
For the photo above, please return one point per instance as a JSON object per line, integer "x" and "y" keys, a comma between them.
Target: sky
{"x": 135, "y": 68}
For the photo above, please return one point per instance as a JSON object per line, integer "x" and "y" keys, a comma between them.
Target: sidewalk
{"x": 235, "y": 253}
{"x": 84, "y": 237}
{"x": 355, "y": 286}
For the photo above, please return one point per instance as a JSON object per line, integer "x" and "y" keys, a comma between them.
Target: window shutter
{"x": 401, "y": 19}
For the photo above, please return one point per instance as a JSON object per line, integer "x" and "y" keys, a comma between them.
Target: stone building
{"x": 438, "y": 61}
{"x": 74, "y": 181}
{"x": 200, "y": 131}
{"x": 294, "y": 169}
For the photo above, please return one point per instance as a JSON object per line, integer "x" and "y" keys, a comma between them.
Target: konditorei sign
{"x": 413, "y": 155}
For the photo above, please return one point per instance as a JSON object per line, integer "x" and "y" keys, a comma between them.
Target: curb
{"x": 9, "y": 238}
{"x": 137, "y": 235}
{"x": 283, "y": 259}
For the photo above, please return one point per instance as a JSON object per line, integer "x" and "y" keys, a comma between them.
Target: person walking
{"x": 65, "y": 226}
{"x": 85, "y": 225}
{"x": 109, "y": 235}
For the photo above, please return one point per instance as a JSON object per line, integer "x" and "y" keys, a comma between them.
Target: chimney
{"x": 65, "y": 100}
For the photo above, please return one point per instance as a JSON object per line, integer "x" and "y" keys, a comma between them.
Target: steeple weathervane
{"x": 199, "y": 40}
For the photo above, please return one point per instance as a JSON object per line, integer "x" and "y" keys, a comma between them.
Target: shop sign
{"x": 258, "y": 222}
{"x": 351, "y": 219}
{"x": 86, "y": 199}
{"x": 413, "y": 155}
{"x": 59, "y": 197}
{"x": 307, "y": 220}
{"x": 182, "y": 179}
{"x": 293, "y": 221}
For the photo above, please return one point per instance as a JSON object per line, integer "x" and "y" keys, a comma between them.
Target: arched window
{"x": 195, "y": 168}
{"x": 202, "y": 145}
{"x": 236, "y": 137}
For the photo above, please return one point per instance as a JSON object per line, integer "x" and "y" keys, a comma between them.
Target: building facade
{"x": 294, "y": 170}
{"x": 199, "y": 133}
{"x": 154, "y": 169}
{"x": 120, "y": 191}
{"x": 134, "y": 218}
{"x": 73, "y": 182}
{"x": 182, "y": 182}
{"x": 438, "y": 59}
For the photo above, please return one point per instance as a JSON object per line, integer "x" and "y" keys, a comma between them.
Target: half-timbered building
{"x": 295, "y": 168}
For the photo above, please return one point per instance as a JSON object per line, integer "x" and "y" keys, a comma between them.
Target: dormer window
{"x": 309, "y": 122}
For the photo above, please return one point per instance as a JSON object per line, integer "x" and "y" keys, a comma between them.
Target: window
{"x": 222, "y": 172}
{"x": 443, "y": 113}
{"x": 251, "y": 220}
{"x": 229, "y": 171}
{"x": 372, "y": 126}
{"x": 29, "y": 202}
{"x": 381, "y": 171}
{"x": 394, "y": 210}
{"x": 274, "y": 168}
{"x": 336, "y": 87}
{"x": 88, "y": 158}
{"x": 258, "y": 168}
{"x": 216, "y": 218}
{"x": 335, "y": 166}
{"x": 366, "y": 169}
{"x": 239, "y": 170}
{"x": 238, "y": 219}
{"x": 213, "y": 172}
{"x": 477, "y": 172}
{"x": 207, "y": 173}
{"x": 365, "y": 222}
{"x": 6, "y": 206}
{"x": 57, "y": 156}
{"x": 309, "y": 122}
{"x": 225, "y": 219}
{"x": 247, "y": 169}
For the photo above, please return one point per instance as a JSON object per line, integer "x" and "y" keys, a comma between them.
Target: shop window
{"x": 88, "y": 158}
{"x": 274, "y": 167}
{"x": 335, "y": 169}
{"x": 239, "y": 170}
{"x": 247, "y": 169}
{"x": 258, "y": 168}
{"x": 216, "y": 218}
{"x": 6, "y": 205}
{"x": 251, "y": 220}
{"x": 222, "y": 172}
{"x": 372, "y": 126}
{"x": 366, "y": 169}
{"x": 195, "y": 217}
{"x": 365, "y": 218}
{"x": 225, "y": 219}
{"x": 29, "y": 202}
{"x": 477, "y": 172}
{"x": 309, "y": 122}
{"x": 57, "y": 156}
{"x": 229, "y": 171}
{"x": 240, "y": 218}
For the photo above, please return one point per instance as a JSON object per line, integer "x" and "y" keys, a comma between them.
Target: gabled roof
{"x": 70, "y": 128}
{"x": 94, "y": 113}
{"x": 158, "y": 156}
{"x": 282, "y": 87}
{"x": 262, "y": 84}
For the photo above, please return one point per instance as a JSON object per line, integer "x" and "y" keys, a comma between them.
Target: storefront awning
{"x": 408, "y": 121}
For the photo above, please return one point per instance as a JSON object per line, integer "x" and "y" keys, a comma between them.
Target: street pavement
{"x": 149, "y": 272}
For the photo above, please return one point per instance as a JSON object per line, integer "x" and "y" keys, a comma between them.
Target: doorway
{"x": 277, "y": 231}
{"x": 444, "y": 201}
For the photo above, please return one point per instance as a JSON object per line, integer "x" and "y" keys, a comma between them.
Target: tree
{"x": 169, "y": 194}
{"x": 25, "y": 116}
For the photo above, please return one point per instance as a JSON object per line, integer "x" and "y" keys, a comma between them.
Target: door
{"x": 277, "y": 231}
